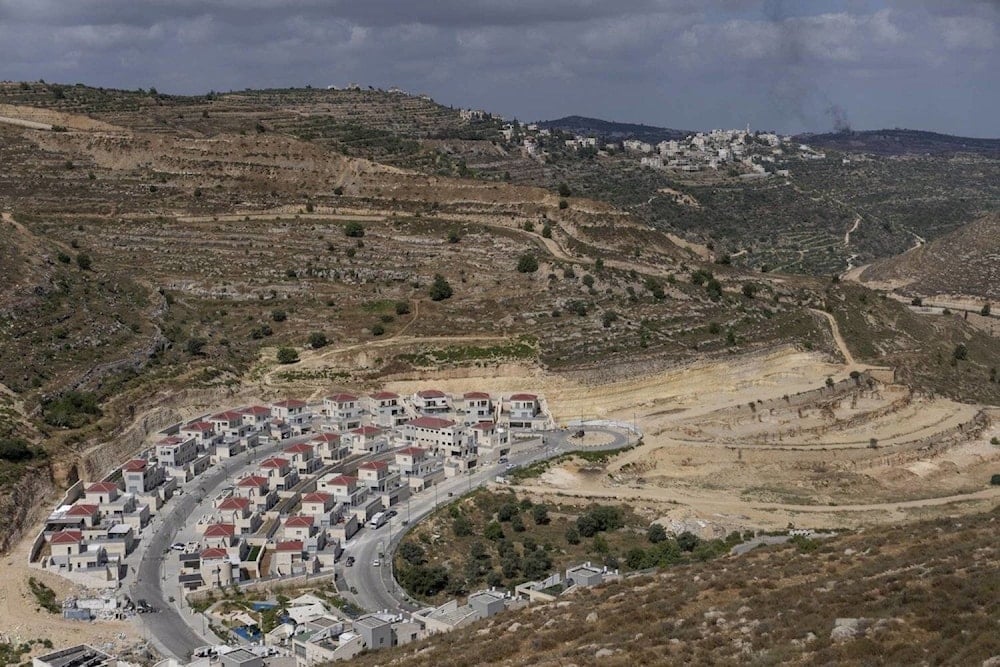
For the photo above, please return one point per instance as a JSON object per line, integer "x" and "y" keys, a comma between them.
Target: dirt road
{"x": 717, "y": 503}
{"x": 837, "y": 338}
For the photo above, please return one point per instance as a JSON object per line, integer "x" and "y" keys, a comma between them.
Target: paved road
{"x": 176, "y": 631}
{"x": 374, "y": 588}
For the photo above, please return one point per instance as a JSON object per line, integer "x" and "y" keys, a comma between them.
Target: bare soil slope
{"x": 963, "y": 263}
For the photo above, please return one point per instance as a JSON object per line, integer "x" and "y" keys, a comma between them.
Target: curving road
{"x": 169, "y": 630}
{"x": 176, "y": 631}
{"x": 374, "y": 588}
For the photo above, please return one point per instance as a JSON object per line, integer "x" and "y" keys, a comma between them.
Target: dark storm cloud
{"x": 685, "y": 63}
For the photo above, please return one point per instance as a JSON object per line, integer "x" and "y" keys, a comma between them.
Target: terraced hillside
{"x": 163, "y": 249}
{"x": 964, "y": 263}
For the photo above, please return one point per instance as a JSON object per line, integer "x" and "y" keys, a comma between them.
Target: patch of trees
{"x": 685, "y": 547}
{"x": 15, "y": 450}
{"x": 424, "y": 581}
{"x": 354, "y": 230}
{"x": 287, "y": 355}
{"x": 71, "y": 409}
{"x": 600, "y": 519}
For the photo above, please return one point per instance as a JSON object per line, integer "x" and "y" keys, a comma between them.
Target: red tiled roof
{"x": 274, "y": 462}
{"x": 82, "y": 510}
{"x": 366, "y": 430}
{"x": 234, "y": 503}
{"x": 290, "y": 545}
{"x": 229, "y": 415}
{"x": 301, "y": 448}
{"x": 326, "y": 437}
{"x": 384, "y": 395}
{"x": 256, "y": 410}
{"x": 472, "y": 395}
{"x": 220, "y": 530}
{"x": 289, "y": 403}
{"x": 135, "y": 465}
{"x": 253, "y": 480}
{"x": 316, "y": 497}
{"x": 343, "y": 480}
{"x": 431, "y": 393}
{"x": 430, "y": 422}
{"x": 199, "y": 426}
{"x": 102, "y": 487}
{"x": 373, "y": 465}
{"x": 169, "y": 441}
{"x": 412, "y": 451}
{"x": 67, "y": 537}
{"x": 342, "y": 398}
{"x": 299, "y": 522}
{"x": 214, "y": 552}
{"x": 523, "y": 397}
{"x": 484, "y": 426}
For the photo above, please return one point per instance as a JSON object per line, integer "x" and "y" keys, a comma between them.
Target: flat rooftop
{"x": 77, "y": 656}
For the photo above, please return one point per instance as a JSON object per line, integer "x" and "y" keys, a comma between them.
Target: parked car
{"x": 177, "y": 546}
{"x": 376, "y": 563}
{"x": 349, "y": 562}
{"x": 391, "y": 513}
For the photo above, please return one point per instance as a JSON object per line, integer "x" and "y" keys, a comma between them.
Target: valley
{"x": 790, "y": 358}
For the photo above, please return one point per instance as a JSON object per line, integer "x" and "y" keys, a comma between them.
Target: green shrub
{"x": 527, "y": 263}
{"x": 72, "y": 409}
{"x": 440, "y": 289}
{"x": 45, "y": 596}
{"x": 318, "y": 339}
{"x": 287, "y": 355}
{"x": 15, "y": 450}
{"x": 412, "y": 553}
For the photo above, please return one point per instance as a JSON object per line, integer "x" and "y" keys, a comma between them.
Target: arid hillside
{"x": 964, "y": 263}
{"x": 923, "y": 593}
{"x": 164, "y": 249}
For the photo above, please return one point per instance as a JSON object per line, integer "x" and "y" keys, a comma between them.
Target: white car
{"x": 177, "y": 546}
{"x": 376, "y": 563}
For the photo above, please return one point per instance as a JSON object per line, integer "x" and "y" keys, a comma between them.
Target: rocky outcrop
{"x": 22, "y": 503}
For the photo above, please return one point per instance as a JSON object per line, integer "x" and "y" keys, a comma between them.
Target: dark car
{"x": 349, "y": 562}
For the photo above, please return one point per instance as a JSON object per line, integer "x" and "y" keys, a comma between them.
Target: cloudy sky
{"x": 790, "y": 66}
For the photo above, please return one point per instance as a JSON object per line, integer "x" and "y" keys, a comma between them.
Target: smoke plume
{"x": 838, "y": 116}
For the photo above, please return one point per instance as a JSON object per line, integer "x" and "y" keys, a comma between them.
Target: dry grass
{"x": 931, "y": 590}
